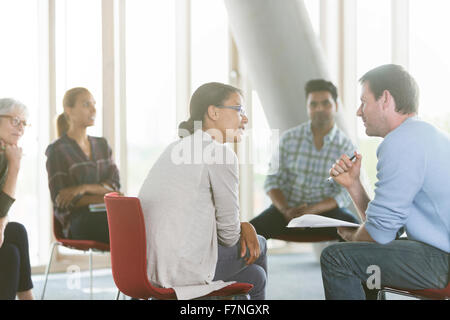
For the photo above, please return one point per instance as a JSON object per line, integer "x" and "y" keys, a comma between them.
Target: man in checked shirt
{"x": 306, "y": 154}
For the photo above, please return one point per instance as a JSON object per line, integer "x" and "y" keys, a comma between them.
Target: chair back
{"x": 128, "y": 246}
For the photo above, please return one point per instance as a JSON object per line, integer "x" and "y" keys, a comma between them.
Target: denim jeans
{"x": 402, "y": 264}
{"x": 231, "y": 267}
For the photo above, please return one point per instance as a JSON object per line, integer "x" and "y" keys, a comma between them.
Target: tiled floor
{"x": 291, "y": 277}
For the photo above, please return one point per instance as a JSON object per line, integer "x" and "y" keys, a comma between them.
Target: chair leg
{"x": 381, "y": 295}
{"x": 241, "y": 297}
{"x": 118, "y": 295}
{"x": 47, "y": 270}
{"x": 90, "y": 275}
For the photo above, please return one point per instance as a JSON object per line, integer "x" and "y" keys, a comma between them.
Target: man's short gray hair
{"x": 7, "y": 105}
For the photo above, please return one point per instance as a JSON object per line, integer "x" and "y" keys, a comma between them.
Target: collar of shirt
{"x": 206, "y": 136}
{"x": 328, "y": 137}
{"x": 77, "y": 148}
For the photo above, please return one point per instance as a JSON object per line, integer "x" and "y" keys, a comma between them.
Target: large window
{"x": 262, "y": 152}
{"x": 79, "y": 52}
{"x": 209, "y": 42}
{"x": 430, "y": 58}
{"x": 19, "y": 79}
{"x": 373, "y": 45}
{"x": 150, "y": 85}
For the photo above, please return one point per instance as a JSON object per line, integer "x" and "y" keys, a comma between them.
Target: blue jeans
{"x": 231, "y": 267}
{"x": 403, "y": 264}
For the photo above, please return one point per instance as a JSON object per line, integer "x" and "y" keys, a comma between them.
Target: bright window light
{"x": 373, "y": 49}
{"x": 430, "y": 58}
{"x": 209, "y": 42}
{"x": 150, "y": 85}
{"x": 79, "y": 52}
{"x": 19, "y": 79}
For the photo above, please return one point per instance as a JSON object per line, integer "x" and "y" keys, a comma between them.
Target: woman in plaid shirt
{"x": 80, "y": 170}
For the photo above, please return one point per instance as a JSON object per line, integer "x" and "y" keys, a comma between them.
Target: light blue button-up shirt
{"x": 413, "y": 188}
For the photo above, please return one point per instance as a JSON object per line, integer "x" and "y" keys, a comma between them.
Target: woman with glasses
{"x": 15, "y": 269}
{"x": 190, "y": 201}
{"x": 80, "y": 171}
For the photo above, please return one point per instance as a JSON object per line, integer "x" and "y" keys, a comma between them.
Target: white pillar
{"x": 277, "y": 43}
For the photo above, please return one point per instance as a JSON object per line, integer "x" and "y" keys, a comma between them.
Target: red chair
{"x": 425, "y": 294}
{"x": 83, "y": 245}
{"x": 129, "y": 253}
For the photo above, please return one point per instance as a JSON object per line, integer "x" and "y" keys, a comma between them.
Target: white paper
{"x": 318, "y": 221}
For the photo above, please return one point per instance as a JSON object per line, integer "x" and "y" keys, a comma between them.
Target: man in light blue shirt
{"x": 412, "y": 192}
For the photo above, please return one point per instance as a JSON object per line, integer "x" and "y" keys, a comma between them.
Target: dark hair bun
{"x": 186, "y": 128}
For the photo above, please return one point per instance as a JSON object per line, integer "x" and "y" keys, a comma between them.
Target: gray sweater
{"x": 190, "y": 201}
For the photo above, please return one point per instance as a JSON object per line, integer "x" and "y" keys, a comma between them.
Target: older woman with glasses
{"x": 190, "y": 201}
{"x": 15, "y": 269}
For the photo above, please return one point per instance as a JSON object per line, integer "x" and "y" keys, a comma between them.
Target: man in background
{"x": 306, "y": 152}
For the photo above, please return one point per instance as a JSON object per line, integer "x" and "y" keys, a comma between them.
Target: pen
{"x": 331, "y": 178}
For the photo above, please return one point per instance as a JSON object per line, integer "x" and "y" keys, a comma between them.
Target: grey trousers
{"x": 401, "y": 264}
{"x": 231, "y": 267}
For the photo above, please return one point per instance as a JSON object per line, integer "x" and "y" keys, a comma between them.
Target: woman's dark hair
{"x": 70, "y": 97}
{"x": 321, "y": 85}
{"x": 213, "y": 93}
{"x": 398, "y": 82}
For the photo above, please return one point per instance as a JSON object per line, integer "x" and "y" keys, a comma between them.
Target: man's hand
{"x": 346, "y": 172}
{"x": 348, "y": 234}
{"x": 355, "y": 234}
{"x": 249, "y": 239}
{"x": 291, "y": 213}
{"x": 65, "y": 196}
{"x": 3, "y": 223}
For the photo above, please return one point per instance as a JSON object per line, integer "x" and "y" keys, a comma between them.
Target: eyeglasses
{"x": 239, "y": 109}
{"x": 15, "y": 121}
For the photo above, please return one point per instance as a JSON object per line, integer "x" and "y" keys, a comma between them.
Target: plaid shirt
{"x": 303, "y": 170}
{"x": 68, "y": 165}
